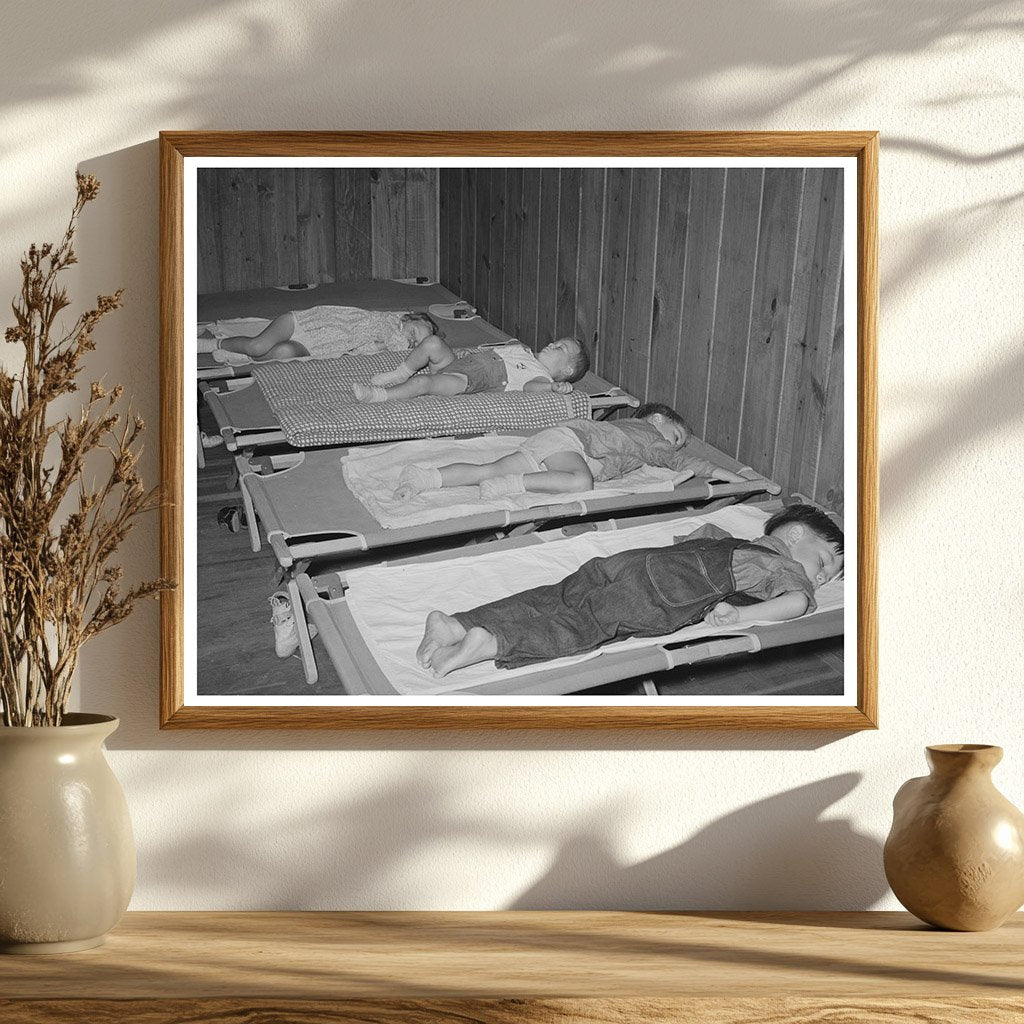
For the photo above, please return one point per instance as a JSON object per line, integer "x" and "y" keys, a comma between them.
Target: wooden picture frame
{"x": 856, "y": 153}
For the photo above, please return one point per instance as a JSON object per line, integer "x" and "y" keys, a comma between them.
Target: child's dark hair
{"x": 813, "y": 518}
{"x": 579, "y": 364}
{"x": 660, "y": 409}
{"x": 420, "y": 318}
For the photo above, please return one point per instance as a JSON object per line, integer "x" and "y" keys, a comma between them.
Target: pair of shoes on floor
{"x": 286, "y": 632}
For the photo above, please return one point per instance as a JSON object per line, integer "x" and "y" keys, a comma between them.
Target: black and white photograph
{"x": 549, "y": 431}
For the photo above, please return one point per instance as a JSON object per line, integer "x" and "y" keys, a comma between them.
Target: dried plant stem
{"x": 58, "y": 586}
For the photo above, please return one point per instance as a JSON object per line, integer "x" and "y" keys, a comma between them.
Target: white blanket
{"x": 238, "y": 327}
{"x": 372, "y": 475}
{"x": 390, "y": 603}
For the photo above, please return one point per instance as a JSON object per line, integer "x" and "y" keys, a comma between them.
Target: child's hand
{"x": 561, "y": 387}
{"x": 722, "y": 615}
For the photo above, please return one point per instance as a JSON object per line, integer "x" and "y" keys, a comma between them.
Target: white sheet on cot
{"x": 236, "y": 327}
{"x": 371, "y": 474}
{"x": 390, "y": 603}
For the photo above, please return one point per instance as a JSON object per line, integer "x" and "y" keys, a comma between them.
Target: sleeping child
{"x": 706, "y": 576}
{"x": 510, "y": 367}
{"x": 325, "y": 332}
{"x": 573, "y": 456}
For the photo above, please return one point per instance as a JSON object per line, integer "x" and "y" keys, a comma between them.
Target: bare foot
{"x": 441, "y": 631}
{"x": 366, "y": 393}
{"x": 477, "y": 645}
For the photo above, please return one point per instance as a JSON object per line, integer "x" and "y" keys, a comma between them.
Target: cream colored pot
{"x": 67, "y": 855}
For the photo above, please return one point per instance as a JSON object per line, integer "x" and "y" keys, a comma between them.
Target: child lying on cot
{"x": 325, "y": 332}
{"x": 706, "y": 576}
{"x": 501, "y": 368}
{"x": 570, "y": 458}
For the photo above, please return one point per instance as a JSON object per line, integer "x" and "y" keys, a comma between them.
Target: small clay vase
{"x": 67, "y": 857}
{"x": 955, "y": 854}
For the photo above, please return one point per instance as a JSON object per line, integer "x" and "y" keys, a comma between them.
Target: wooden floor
{"x": 236, "y": 639}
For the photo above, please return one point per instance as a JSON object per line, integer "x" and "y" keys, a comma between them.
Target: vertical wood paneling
{"x": 530, "y": 260}
{"x": 353, "y": 237}
{"x": 547, "y": 263}
{"x": 445, "y": 192}
{"x": 613, "y": 270}
{"x": 770, "y": 316}
{"x": 568, "y": 251}
{"x": 591, "y": 242}
{"x": 829, "y": 487}
{"x": 496, "y": 244}
{"x": 263, "y": 227}
{"x": 826, "y": 274}
{"x": 700, "y": 292}
{"x": 481, "y": 222}
{"x": 638, "y": 301}
{"x": 513, "y": 261}
{"x": 210, "y": 233}
{"x": 669, "y": 272}
{"x": 737, "y": 264}
{"x": 417, "y": 253}
{"x": 796, "y": 339}
{"x": 271, "y": 273}
{"x": 285, "y": 229}
{"x": 387, "y": 203}
{"x": 468, "y": 254}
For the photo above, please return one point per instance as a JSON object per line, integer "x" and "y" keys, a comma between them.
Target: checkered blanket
{"x": 314, "y": 403}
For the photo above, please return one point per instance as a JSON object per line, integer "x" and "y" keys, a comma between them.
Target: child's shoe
{"x": 286, "y": 633}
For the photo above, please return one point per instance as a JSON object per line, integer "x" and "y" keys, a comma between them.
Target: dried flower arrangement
{"x": 58, "y": 587}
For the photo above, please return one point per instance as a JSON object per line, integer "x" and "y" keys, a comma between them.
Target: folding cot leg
{"x": 241, "y": 467}
{"x": 651, "y": 688}
{"x": 305, "y": 644}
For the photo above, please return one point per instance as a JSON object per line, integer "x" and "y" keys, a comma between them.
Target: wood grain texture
{"x": 578, "y": 238}
{"x": 724, "y": 1010}
{"x": 271, "y": 226}
{"x": 526, "y": 966}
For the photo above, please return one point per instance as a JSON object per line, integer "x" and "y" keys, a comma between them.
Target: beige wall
{"x": 703, "y": 820}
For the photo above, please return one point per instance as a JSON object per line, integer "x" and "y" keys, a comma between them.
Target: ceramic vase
{"x": 955, "y": 854}
{"x": 67, "y": 855}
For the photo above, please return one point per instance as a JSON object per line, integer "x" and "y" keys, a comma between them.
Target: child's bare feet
{"x": 441, "y": 631}
{"x": 366, "y": 393}
{"x": 415, "y": 480}
{"x": 477, "y": 645}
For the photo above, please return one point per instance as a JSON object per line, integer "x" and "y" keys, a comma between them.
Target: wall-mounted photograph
{"x": 516, "y": 430}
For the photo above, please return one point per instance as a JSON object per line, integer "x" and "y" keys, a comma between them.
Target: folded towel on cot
{"x": 390, "y": 603}
{"x": 372, "y": 476}
{"x": 314, "y": 404}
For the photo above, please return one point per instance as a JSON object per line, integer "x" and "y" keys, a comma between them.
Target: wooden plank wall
{"x": 261, "y": 227}
{"x": 715, "y": 291}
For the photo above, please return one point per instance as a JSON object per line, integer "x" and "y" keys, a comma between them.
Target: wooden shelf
{"x": 425, "y": 968}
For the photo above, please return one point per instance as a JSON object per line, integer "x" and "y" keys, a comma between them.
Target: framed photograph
{"x": 519, "y": 430}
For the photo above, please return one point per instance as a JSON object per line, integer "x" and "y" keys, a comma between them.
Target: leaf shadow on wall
{"x": 777, "y": 853}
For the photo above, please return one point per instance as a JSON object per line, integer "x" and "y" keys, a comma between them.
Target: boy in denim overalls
{"x": 707, "y": 576}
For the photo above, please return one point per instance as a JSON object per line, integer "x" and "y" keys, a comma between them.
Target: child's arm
{"x": 776, "y": 609}
{"x": 561, "y": 387}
